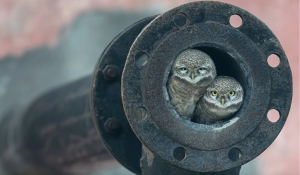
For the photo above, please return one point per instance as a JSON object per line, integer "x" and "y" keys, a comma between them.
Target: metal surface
{"x": 59, "y": 137}
{"x": 112, "y": 125}
{"x": 106, "y": 102}
{"x": 238, "y": 52}
{"x": 55, "y": 135}
{"x": 110, "y": 72}
{"x": 151, "y": 164}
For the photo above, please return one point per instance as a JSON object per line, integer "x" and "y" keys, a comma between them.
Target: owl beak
{"x": 193, "y": 76}
{"x": 223, "y": 101}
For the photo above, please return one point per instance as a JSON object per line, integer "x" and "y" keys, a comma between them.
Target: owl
{"x": 191, "y": 73}
{"x": 222, "y": 99}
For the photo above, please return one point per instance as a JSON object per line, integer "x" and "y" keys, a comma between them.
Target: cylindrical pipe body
{"x": 55, "y": 135}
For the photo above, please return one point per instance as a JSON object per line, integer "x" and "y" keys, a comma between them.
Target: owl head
{"x": 195, "y": 67}
{"x": 223, "y": 97}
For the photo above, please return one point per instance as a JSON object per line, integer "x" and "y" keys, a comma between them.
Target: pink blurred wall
{"x": 25, "y": 25}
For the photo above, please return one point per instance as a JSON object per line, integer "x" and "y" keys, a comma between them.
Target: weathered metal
{"x": 56, "y": 133}
{"x": 151, "y": 164}
{"x": 110, "y": 72}
{"x": 106, "y": 102}
{"x": 53, "y": 135}
{"x": 238, "y": 52}
{"x": 107, "y": 106}
{"x": 112, "y": 125}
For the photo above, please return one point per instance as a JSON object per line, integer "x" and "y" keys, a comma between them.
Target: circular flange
{"x": 206, "y": 147}
{"x": 106, "y": 103}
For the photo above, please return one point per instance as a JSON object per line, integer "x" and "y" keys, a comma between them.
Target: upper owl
{"x": 195, "y": 67}
{"x": 222, "y": 99}
{"x": 191, "y": 73}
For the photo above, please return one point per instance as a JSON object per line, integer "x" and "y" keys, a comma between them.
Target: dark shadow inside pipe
{"x": 225, "y": 64}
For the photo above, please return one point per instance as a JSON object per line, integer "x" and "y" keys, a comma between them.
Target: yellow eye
{"x": 202, "y": 68}
{"x": 183, "y": 69}
{"x": 214, "y": 93}
{"x": 231, "y": 93}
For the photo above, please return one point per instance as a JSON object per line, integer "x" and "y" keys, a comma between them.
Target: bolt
{"x": 110, "y": 72}
{"x": 112, "y": 125}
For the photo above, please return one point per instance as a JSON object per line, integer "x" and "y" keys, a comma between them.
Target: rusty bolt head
{"x": 112, "y": 125}
{"x": 110, "y": 72}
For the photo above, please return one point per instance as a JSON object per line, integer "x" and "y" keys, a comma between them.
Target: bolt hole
{"x": 180, "y": 20}
{"x": 273, "y": 60}
{"x": 234, "y": 154}
{"x": 141, "y": 59}
{"x": 273, "y": 115}
{"x": 140, "y": 113}
{"x": 235, "y": 21}
{"x": 179, "y": 153}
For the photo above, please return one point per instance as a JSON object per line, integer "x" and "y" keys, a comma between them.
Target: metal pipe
{"x": 240, "y": 53}
{"x": 55, "y": 135}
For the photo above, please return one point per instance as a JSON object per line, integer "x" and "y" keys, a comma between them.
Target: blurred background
{"x": 47, "y": 43}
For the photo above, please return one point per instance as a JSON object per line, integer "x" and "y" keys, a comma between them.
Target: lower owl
{"x": 222, "y": 98}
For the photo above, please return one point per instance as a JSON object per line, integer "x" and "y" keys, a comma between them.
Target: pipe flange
{"x": 205, "y": 26}
{"x": 106, "y": 104}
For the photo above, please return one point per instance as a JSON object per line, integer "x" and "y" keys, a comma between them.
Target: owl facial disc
{"x": 194, "y": 66}
{"x": 223, "y": 97}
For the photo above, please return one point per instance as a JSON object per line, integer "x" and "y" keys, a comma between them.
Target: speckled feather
{"x": 210, "y": 110}
{"x": 183, "y": 91}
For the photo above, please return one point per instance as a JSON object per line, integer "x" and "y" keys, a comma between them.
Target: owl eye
{"x": 231, "y": 93}
{"x": 183, "y": 69}
{"x": 202, "y": 70}
{"x": 214, "y": 93}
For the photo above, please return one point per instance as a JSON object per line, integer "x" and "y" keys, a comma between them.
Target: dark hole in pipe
{"x": 225, "y": 64}
{"x": 179, "y": 153}
{"x": 234, "y": 154}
